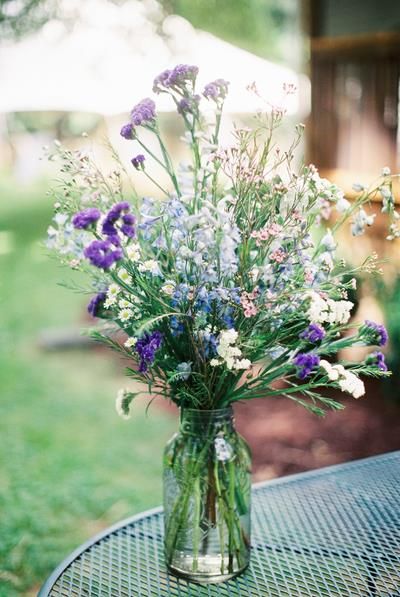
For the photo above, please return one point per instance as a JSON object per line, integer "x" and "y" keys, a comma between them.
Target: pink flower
{"x": 278, "y": 256}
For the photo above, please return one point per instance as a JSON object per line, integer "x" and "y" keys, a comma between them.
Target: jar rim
{"x": 225, "y": 409}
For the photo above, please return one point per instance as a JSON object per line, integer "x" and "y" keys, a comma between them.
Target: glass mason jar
{"x": 207, "y": 489}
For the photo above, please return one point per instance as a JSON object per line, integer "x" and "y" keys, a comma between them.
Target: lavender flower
{"x": 144, "y": 112}
{"x": 147, "y": 347}
{"x": 216, "y": 90}
{"x": 83, "y": 219}
{"x": 138, "y": 161}
{"x": 119, "y": 211}
{"x": 374, "y": 332}
{"x": 377, "y": 359}
{"x": 127, "y": 131}
{"x": 175, "y": 78}
{"x": 96, "y": 303}
{"x": 305, "y": 363}
{"x": 313, "y": 333}
{"x": 189, "y": 105}
{"x": 102, "y": 254}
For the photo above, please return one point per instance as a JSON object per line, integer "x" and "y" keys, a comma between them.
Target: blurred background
{"x": 69, "y": 466}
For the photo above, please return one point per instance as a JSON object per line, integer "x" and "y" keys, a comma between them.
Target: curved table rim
{"x": 58, "y": 571}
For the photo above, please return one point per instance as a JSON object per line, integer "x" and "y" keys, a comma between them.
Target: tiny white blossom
{"x": 130, "y": 342}
{"x": 123, "y": 303}
{"x": 124, "y": 275}
{"x": 113, "y": 290}
{"x": 133, "y": 252}
{"x": 110, "y": 302}
{"x": 386, "y": 171}
{"x": 151, "y": 266}
{"x": 168, "y": 287}
{"x": 125, "y": 314}
{"x": 242, "y": 364}
{"x": 216, "y": 362}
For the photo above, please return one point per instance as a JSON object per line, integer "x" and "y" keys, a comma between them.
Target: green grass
{"x": 69, "y": 466}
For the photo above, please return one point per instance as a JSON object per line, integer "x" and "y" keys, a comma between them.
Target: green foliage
{"x": 251, "y": 24}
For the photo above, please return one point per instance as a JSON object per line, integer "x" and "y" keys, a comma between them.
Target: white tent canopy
{"x": 107, "y": 61}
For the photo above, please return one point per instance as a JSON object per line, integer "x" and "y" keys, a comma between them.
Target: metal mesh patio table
{"x": 334, "y": 531}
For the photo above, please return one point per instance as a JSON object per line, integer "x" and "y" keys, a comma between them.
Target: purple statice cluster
{"x": 177, "y": 78}
{"x": 313, "y": 333}
{"x": 216, "y": 90}
{"x": 189, "y": 105}
{"x": 102, "y": 254}
{"x": 305, "y": 362}
{"x": 375, "y": 332}
{"x": 377, "y": 359}
{"x": 143, "y": 113}
{"x": 119, "y": 218}
{"x": 138, "y": 161}
{"x": 146, "y": 347}
{"x": 85, "y": 218}
{"x": 96, "y": 303}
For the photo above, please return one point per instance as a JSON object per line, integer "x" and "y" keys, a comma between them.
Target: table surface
{"x": 334, "y": 531}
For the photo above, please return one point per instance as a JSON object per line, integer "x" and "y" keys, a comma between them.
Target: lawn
{"x": 69, "y": 466}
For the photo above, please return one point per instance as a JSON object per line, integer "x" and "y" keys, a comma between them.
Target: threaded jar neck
{"x": 206, "y": 421}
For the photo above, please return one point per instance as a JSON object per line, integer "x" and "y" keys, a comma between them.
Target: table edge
{"x": 57, "y": 572}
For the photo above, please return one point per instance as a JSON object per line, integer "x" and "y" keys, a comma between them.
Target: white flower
{"x": 123, "y": 303}
{"x": 122, "y": 403}
{"x": 113, "y": 290}
{"x": 124, "y": 275}
{"x": 216, "y": 362}
{"x": 168, "y": 287}
{"x": 125, "y": 314}
{"x": 223, "y": 450}
{"x": 339, "y": 311}
{"x": 352, "y": 384}
{"x": 333, "y": 374}
{"x": 242, "y": 364}
{"x": 151, "y": 266}
{"x": 386, "y": 171}
{"x": 109, "y": 302}
{"x": 347, "y": 381}
{"x": 228, "y": 336}
{"x": 133, "y": 252}
{"x": 130, "y": 342}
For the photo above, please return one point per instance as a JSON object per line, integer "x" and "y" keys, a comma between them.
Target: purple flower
{"x": 377, "y": 359}
{"x": 85, "y": 218}
{"x": 127, "y": 131}
{"x": 376, "y": 333}
{"x": 102, "y": 254}
{"x": 138, "y": 161}
{"x": 305, "y": 363}
{"x": 313, "y": 333}
{"x": 147, "y": 347}
{"x": 216, "y": 90}
{"x": 189, "y": 105}
{"x": 175, "y": 78}
{"x": 143, "y": 112}
{"x": 119, "y": 211}
{"x": 96, "y": 303}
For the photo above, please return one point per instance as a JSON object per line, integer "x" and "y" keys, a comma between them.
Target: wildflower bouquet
{"x": 223, "y": 286}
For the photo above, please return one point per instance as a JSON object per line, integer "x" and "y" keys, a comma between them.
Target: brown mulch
{"x": 285, "y": 438}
